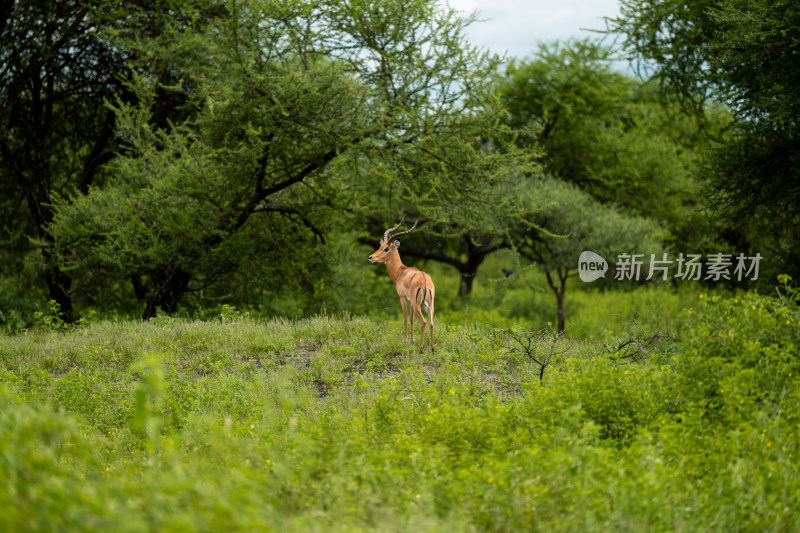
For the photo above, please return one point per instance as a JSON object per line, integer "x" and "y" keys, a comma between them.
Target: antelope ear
{"x": 396, "y": 244}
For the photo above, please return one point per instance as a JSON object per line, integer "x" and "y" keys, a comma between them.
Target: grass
{"x": 593, "y": 313}
{"x": 334, "y": 424}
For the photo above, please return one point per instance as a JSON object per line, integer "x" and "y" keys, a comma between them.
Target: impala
{"x": 413, "y": 285}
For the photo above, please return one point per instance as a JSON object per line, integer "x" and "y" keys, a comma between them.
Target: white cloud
{"x": 516, "y": 26}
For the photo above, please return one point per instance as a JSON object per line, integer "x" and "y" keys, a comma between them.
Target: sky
{"x": 514, "y": 27}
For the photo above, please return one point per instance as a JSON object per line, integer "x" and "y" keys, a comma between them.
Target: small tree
{"x": 538, "y": 346}
{"x": 568, "y": 222}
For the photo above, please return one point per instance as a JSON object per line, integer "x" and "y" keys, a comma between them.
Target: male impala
{"x": 412, "y": 284}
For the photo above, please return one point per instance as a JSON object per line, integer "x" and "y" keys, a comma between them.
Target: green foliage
{"x": 279, "y": 129}
{"x": 618, "y": 139}
{"x": 676, "y": 36}
{"x": 742, "y": 55}
{"x": 99, "y": 395}
{"x": 744, "y": 349}
{"x": 229, "y": 313}
{"x": 148, "y": 398}
{"x": 333, "y": 423}
{"x": 735, "y": 392}
{"x": 619, "y": 156}
{"x": 569, "y": 221}
{"x": 54, "y": 320}
{"x": 42, "y": 459}
{"x": 61, "y": 63}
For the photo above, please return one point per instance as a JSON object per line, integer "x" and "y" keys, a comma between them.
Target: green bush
{"x": 743, "y": 351}
{"x": 43, "y": 457}
{"x": 334, "y": 424}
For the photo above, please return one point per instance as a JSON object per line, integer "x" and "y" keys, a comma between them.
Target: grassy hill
{"x": 334, "y": 424}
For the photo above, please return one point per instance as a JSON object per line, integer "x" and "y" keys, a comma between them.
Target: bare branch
{"x": 538, "y": 346}
{"x": 635, "y": 349}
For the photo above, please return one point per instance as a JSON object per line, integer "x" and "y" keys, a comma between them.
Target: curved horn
{"x": 386, "y": 233}
{"x": 407, "y": 231}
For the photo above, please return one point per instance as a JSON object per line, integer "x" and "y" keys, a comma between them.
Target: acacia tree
{"x": 467, "y": 224}
{"x": 618, "y": 139}
{"x": 744, "y": 55}
{"x": 59, "y": 61}
{"x": 292, "y": 88}
{"x": 569, "y": 221}
{"x": 466, "y": 255}
{"x": 452, "y": 245}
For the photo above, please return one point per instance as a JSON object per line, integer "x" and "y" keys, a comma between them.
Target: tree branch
{"x": 486, "y": 250}
{"x": 268, "y": 208}
{"x": 320, "y": 162}
{"x": 635, "y": 349}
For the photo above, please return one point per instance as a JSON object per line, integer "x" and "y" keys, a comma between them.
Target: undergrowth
{"x": 334, "y": 424}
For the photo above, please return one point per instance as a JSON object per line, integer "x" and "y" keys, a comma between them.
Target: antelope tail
{"x": 424, "y": 290}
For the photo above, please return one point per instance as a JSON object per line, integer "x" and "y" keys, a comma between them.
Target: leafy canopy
{"x": 281, "y": 92}
{"x": 620, "y": 140}
{"x": 744, "y": 55}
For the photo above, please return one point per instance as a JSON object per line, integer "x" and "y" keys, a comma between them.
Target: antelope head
{"x": 386, "y": 249}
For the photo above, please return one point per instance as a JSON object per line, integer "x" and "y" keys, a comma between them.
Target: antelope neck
{"x": 394, "y": 265}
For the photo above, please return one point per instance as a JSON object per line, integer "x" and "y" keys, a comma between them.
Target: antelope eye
{"x": 385, "y": 250}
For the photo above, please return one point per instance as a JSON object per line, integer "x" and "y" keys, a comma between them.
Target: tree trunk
{"x": 167, "y": 293}
{"x": 559, "y": 290}
{"x": 468, "y": 270}
{"x": 560, "y": 310}
{"x": 58, "y": 286}
{"x": 139, "y": 290}
{"x": 38, "y": 195}
{"x": 465, "y": 286}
